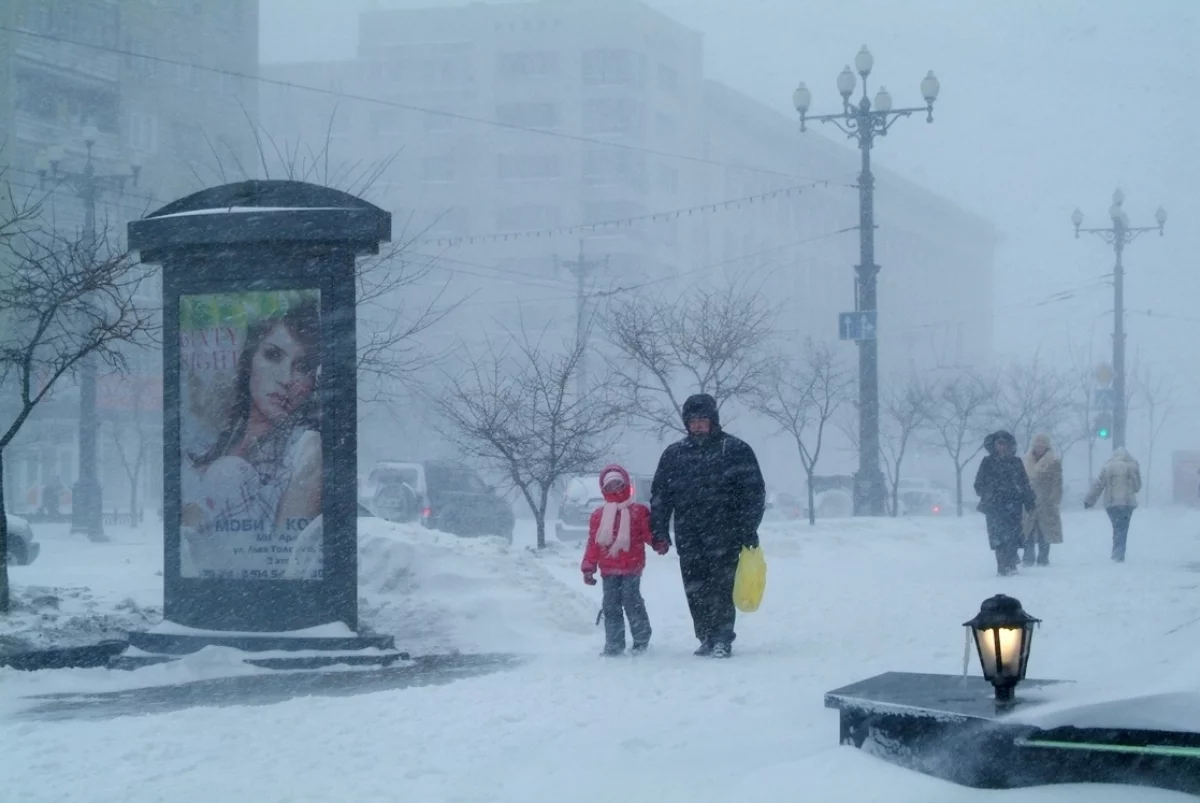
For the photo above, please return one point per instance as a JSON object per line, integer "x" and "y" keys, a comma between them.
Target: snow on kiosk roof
{"x": 250, "y": 212}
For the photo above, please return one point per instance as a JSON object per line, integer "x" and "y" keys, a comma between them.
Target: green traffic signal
{"x": 1103, "y": 433}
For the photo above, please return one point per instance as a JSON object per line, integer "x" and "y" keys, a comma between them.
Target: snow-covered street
{"x": 845, "y": 600}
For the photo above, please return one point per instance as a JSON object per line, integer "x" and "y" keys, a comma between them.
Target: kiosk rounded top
{"x": 262, "y": 212}
{"x": 272, "y": 195}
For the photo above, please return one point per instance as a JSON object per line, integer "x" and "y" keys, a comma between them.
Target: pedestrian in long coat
{"x": 1043, "y": 526}
{"x": 710, "y": 484}
{"x": 1004, "y": 493}
{"x": 1120, "y": 481}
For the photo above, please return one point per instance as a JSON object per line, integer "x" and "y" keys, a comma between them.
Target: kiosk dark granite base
{"x": 948, "y": 726}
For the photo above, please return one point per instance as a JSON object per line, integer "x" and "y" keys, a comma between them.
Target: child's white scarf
{"x": 619, "y": 512}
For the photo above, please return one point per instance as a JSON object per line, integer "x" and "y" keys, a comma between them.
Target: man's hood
{"x": 702, "y": 405}
{"x": 999, "y": 436}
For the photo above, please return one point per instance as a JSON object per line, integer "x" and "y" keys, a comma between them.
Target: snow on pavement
{"x": 845, "y": 600}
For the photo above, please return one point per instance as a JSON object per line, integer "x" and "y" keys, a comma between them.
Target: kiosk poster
{"x": 250, "y": 435}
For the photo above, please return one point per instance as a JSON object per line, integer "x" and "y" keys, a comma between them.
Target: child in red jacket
{"x": 617, "y": 536}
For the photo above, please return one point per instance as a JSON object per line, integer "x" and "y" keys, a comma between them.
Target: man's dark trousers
{"x": 708, "y": 582}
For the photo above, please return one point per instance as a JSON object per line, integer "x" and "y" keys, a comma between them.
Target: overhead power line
{"x": 406, "y": 106}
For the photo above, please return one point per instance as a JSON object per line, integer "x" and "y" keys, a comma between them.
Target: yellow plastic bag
{"x": 750, "y": 581}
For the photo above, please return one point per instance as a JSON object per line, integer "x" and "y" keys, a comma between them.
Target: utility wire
{"x": 404, "y": 106}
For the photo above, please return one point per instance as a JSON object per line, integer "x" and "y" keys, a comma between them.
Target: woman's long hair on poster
{"x": 303, "y": 321}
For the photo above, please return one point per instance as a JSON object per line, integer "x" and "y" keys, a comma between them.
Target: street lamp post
{"x": 1118, "y": 235}
{"x": 86, "y": 499}
{"x": 862, "y": 122}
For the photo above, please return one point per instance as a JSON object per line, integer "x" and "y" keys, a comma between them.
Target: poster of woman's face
{"x": 250, "y": 435}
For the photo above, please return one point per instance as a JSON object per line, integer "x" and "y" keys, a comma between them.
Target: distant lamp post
{"x": 87, "y": 504}
{"x": 1118, "y": 235}
{"x": 1003, "y": 633}
{"x": 862, "y": 122}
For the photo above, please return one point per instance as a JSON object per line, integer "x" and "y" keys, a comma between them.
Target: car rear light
{"x": 426, "y": 512}
{"x": 937, "y": 508}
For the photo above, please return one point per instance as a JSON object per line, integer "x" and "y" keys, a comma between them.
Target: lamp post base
{"x": 86, "y": 511}
{"x": 870, "y": 493}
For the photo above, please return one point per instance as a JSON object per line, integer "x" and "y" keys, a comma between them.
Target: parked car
{"x": 925, "y": 503}
{"x": 442, "y": 495}
{"x": 22, "y": 549}
{"x": 582, "y": 496}
{"x": 390, "y": 491}
{"x": 785, "y": 507}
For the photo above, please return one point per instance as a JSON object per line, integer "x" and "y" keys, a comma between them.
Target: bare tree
{"x": 1158, "y": 395}
{"x": 131, "y": 441}
{"x": 1032, "y": 397}
{"x": 708, "y": 340}
{"x": 63, "y": 298}
{"x": 905, "y": 408}
{"x": 960, "y": 417}
{"x": 515, "y": 409}
{"x": 399, "y": 296}
{"x": 801, "y": 396}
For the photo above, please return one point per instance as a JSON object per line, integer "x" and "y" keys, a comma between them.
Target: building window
{"x": 437, "y": 168}
{"x": 445, "y": 223}
{"x": 615, "y": 116}
{"x": 603, "y": 166}
{"x": 668, "y": 79}
{"x": 528, "y": 115}
{"x": 527, "y": 217}
{"x": 668, "y": 180}
{"x": 526, "y": 166}
{"x": 387, "y": 122}
{"x": 614, "y": 212}
{"x": 436, "y": 123}
{"x": 526, "y": 64}
{"x": 664, "y": 128}
{"x": 143, "y": 132}
{"x": 614, "y": 68}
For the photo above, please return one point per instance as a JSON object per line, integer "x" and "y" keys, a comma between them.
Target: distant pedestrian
{"x": 1043, "y": 526}
{"x": 1120, "y": 481}
{"x": 618, "y": 532}
{"x": 710, "y": 483}
{"x": 1004, "y": 494}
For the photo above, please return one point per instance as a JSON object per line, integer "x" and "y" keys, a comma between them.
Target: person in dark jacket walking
{"x": 710, "y": 483}
{"x": 1004, "y": 494}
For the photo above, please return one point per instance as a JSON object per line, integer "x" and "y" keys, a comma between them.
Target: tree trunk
{"x": 812, "y": 502}
{"x": 133, "y": 501}
{"x": 539, "y": 516}
{"x": 5, "y": 594}
{"x": 958, "y": 470}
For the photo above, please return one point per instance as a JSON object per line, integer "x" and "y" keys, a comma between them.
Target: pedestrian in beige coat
{"x": 1043, "y": 525}
{"x": 1119, "y": 481}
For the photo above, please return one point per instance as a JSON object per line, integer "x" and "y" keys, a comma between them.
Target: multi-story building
{"x": 161, "y": 83}
{"x": 506, "y": 132}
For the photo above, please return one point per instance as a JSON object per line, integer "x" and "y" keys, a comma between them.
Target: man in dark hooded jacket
{"x": 711, "y": 484}
{"x": 1004, "y": 492}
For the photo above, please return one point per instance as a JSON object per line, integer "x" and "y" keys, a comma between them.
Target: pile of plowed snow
{"x": 440, "y": 593}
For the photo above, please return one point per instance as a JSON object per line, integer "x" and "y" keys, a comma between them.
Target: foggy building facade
{"x": 508, "y": 135}
{"x": 161, "y": 83}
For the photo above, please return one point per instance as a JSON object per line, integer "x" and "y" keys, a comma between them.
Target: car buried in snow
{"x": 22, "y": 548}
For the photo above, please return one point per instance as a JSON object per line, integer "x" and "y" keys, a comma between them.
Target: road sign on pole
{"x": 1104, "y": 374}
{"x": 859, "y": 325}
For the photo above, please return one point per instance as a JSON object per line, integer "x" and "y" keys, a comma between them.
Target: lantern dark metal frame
{"x": 997, "y": 613}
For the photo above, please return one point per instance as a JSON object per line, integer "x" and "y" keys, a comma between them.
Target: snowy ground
{"x": 845, "y": 600}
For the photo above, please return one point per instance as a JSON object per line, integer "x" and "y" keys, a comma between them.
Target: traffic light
{"x": 1104, "y": 426}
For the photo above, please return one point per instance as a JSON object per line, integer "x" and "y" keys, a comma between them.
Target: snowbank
{"x": 440, "y": 593}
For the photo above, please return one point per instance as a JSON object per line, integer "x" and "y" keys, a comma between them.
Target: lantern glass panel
{"x": 1001, "y": 651}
